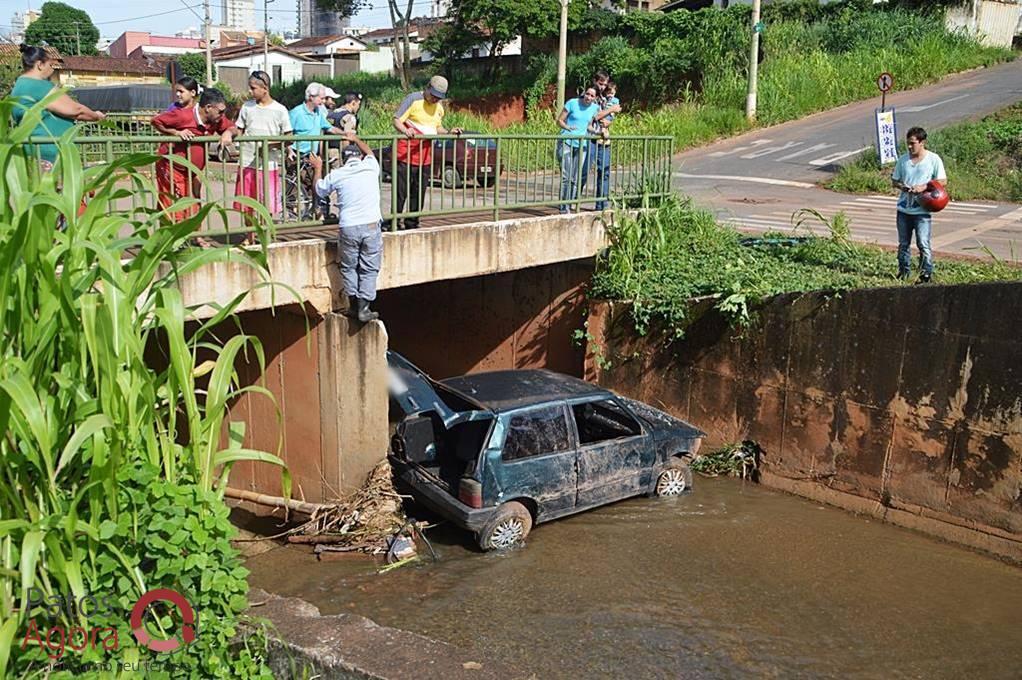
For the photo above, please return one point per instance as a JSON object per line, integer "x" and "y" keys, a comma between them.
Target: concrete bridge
{"x": 479, "y": 296}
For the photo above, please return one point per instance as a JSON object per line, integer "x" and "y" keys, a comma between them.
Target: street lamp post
{"x": 209, "y": 49}
{"x": 266, "y": 35}
{"x": 562, "y": 56}
{"x": 750, "y": 100}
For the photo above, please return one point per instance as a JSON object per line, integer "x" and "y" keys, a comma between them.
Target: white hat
{"x": 314, "y": 90}
{"x": 328, "y": 92}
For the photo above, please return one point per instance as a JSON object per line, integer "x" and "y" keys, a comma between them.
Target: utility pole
{"x": 750, "y": 100}
{"x": 562, "y": 56}
{"x": 266, "y": 36}
{"x": 209, "y": 49}
{"x": 78, "y": 39}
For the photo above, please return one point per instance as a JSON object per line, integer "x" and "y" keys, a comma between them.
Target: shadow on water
{"x": 732, "y": 580}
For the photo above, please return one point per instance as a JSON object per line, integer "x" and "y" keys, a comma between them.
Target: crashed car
{"x": 496, "y": 453}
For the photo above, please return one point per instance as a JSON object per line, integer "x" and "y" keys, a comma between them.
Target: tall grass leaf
{"x": 7, "y": 631}
{"x": 83, "y": 432}
{"x": 31, "y": 545}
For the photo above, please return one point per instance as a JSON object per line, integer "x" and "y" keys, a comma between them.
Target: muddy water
{"x": 733, "y": 580}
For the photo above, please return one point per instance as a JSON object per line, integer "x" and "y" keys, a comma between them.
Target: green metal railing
{"x": 467, "y": 174}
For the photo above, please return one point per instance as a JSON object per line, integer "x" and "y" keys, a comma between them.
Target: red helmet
{"x": 935, "y": 197}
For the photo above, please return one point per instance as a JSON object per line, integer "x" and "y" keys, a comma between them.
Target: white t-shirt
{"x": 357, "y": 184}
{"x": 254, "y": 119}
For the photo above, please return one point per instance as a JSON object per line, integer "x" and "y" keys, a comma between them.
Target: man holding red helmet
{"x": 913, "y": 171}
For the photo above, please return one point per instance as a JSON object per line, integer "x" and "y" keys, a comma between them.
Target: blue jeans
{"x": 361, "y": 250}
{"x": 570, "y": 157}
{"x": 602, "y": 174}
{"x": 920, "y": 224}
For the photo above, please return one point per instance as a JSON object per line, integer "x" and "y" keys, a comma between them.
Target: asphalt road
{"x": 758, "y": 181}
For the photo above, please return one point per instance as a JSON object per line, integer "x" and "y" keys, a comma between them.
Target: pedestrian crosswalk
{"x": 870, "y": 217}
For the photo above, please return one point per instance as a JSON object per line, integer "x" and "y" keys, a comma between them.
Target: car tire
{"x": 451, "y": 178}
{"x": 507, "y": 528}
{"x": 675, "y": 479}
{"x": 486, "y": 181}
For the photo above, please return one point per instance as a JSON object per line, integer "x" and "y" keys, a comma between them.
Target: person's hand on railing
{"x": 185, "y": 135}
{"x": 409, "y": 132}
{"x": 99, "y": 116}
{"x": 457, "y": 131}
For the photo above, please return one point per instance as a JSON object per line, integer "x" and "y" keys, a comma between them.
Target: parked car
{"x": 456, "y": 160}
{"x": 496, "y": 453}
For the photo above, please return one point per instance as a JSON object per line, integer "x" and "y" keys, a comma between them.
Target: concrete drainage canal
{"x": 734, "y": 578}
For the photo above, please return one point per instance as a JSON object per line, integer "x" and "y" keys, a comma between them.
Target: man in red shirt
{"x": 174, "y": 180}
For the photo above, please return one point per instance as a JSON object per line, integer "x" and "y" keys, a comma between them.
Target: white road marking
{"x": 827, "y": 160}
{"x": 755, "y": 180}
{"x": 894, "y": 199}
{"x": 811, "y": 149}
{"x": 993, "y": 224}
{"x": 770, "y": 150}
{"x": 739, "y": 149}
{"x": 917, "y": 109}
{"x": 958, "y": 208}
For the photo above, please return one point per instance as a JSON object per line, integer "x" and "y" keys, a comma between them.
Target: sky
{"x": 113, "y": 17}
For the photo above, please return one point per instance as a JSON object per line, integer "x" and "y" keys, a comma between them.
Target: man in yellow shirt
{"x": 420, "y": 114}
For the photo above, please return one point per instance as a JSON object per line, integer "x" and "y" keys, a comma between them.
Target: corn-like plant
{"x": 83, "y": 309}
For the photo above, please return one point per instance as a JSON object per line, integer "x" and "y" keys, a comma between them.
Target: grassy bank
{"x": 683, "y": 73}
{"x": 983, "y": 160}
{"x": 664, "y": 258}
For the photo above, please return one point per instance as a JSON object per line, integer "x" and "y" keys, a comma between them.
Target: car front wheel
{"x": 674, "y": 480}
{"x": 452, "y": 178}
{"x": 507, "y": 528}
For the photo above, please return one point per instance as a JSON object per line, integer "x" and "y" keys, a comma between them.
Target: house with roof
{"x": 78, "y": 71}
{"x": 327, "y": 44}
{"x": 233, "y": 64}
{"x": 133, "y": 44}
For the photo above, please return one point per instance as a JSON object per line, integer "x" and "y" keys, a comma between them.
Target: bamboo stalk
{"x": 277, "y": 502}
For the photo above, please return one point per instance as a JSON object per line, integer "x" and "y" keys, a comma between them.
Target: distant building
{"x": 328, "y": 44}
{"x": 314, "y": 22}
{"x": 238, "y": 14}
{"x": 438, "y": 9}
{"x": 234, "y": 64}
{"x": 77, "y": 71}
{"x": 20, "y": 23}
{"x": 134, "y": 44}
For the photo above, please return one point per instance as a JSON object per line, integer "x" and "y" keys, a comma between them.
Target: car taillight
{"x": 470, "y": 492}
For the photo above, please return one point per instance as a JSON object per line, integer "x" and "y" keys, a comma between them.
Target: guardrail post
{"x": 496, "y": 185}
{"x": 393, "y": 183}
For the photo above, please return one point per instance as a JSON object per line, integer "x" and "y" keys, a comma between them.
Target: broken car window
{"x": 535, "y": 433}
{"x": 599, "y": 421}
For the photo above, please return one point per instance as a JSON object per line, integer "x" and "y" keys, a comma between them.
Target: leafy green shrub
{"x": 114, "y": 466}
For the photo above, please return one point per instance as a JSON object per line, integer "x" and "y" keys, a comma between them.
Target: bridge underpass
{"x": 453, "y": 299}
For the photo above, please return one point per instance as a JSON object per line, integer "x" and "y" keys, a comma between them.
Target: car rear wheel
{"x": 452, "y": 178}
{"x": 507, "y": 528}
{"x": 674, "y": 480}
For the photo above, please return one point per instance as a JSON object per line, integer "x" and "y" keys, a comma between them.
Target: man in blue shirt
{"x": 577, "y": 119}
{"x": 911, "y": 174}
{"x": 308, "y": 119}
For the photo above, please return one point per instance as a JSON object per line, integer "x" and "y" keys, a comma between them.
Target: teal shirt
{"x": 305, "y": 122}
{"x": 31, "y": 91}
{"x": 578, "y": 119}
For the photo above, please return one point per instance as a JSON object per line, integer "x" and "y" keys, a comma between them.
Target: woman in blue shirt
{"x": 34, "y": 85}
{"x": 576, "y": 120}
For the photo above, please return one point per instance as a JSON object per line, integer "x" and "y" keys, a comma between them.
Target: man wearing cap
{"x": 306, "y": 120}
{"x": 360, "y": 242}
{"x": 420, "y": 114}
{"x": 329, "y": 101}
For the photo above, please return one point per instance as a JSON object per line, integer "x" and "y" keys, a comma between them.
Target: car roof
{"x": 508, "y": 390}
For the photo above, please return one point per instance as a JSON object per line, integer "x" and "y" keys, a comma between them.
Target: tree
{"x": 68, "y": 29}
{"x": 194, "y": 65}
{"x": 402, "y": 52}
{"x": 449, "y": 42}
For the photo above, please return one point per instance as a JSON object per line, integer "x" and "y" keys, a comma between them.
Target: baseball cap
{"x": 438, "y": 87}
{"x": 349, "y": 152}
{"x": 328, "y": 92}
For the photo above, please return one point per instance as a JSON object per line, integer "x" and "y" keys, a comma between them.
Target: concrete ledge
{"x": 975, "y": 536}
{"x": 409, "y": 258}
{"x": 304, "y": 643}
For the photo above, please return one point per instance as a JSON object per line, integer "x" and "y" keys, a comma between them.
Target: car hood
{"x": 662, "y": 423}
{"x": 415, "y": 392}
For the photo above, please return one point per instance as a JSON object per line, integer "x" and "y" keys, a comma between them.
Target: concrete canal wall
{"x": 900, "y": 403}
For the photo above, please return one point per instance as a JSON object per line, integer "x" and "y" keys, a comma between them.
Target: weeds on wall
{"x": 732, "y": 460}
{"x": 113, "y": 463}
{"x": 660, "y": 260}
